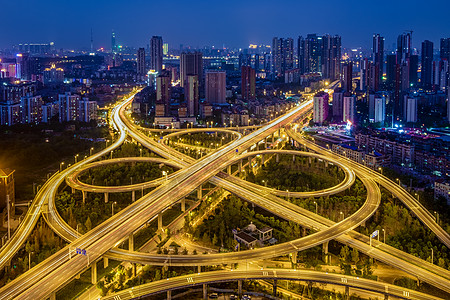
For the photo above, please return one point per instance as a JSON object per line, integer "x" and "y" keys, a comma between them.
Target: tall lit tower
{"x": 156, "y": 53}
{"x": 378, "y": 55}
{"x": 113, "y": 42}
{"x": 140, "y": 61}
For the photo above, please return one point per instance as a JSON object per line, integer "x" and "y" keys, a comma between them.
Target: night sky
{"x": 231, "y": 23}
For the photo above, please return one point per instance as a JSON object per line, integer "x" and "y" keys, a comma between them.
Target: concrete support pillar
{"x": 199, "y": 269}
{"x": 169, "y": 295}
{"x": 134, "y": 269}
{"x": 240, "y": 166}
{"x": 386, "y": 297}
{"x": 279, "y": 132}
{"x": 105, "y": 262}
{"x": 160, "y": 224}
{"x": 293, "y": 158}
{"x": 205, "y": 291}
{"x": 199, "y": 193}
{"x": 53, "y": 296}
{"x": 250, "y": 162}
{"x": 131, "y": 242}
{"x": 84, "y": 196}
{"x": 347, "y": 292}
{"x": 240, "y": 288}
{"x": 262, "y": 159}
{"x": 73, "y": 191}
{"x": 309, "y": 159}
{"x": 94, "y": 273}
{"x": 133, "y": 196}
{"x": 326, "y": 164}
{"x": 106, "y": 197}
{"x": 325, "y": 252}
{"x": 183, "y": 204}
{"x": 273, "y": 138}
{"x": 294, "y": 258}
{"x": 229, "y": 170}
{"x": 275, "y": 288}
{"x": 277, "y": 157}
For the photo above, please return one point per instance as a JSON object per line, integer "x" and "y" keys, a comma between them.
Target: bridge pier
{"x": 294, "y": 259}
{"x": 240, "y": 288}
{"x": 325, "y": 251}
{"x": 94, "y": 273}
{"x": 199, "y": 192}
{"x": 249, "y": 162}
{"x": 73, "y": 191}
{"x": 240, "y": 166}
{"x": 134, "y": 266}
{"x": 133, "y": 196}
{"x": 105, "y": 262}
{"x": 386, "y": 297}
{"x": 347, "y": 292}
{"x": 53, "y": 296}
{"x": 84, "y": 196}
{"x": 169, "y": 295}
{"x": 131, "y": 242}
{"x": 205, "y": 291}
{"x": 229, "y": 170}
{"x": 183, "y": 204}
{"x": 293, "y": 158}
{"x": 262, "y": 159}
{"x": 106, "y": 197}
{"x": 273, "y": 138}
{"x": 277, "y": 157}
{"x": 274, "y": 287}
{"x": 160, "y": 223}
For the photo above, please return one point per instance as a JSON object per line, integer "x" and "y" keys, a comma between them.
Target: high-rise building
{"x": 379, "y": 109}
{"x": 113, "y": 42}
{"x": 448, "y": 104}
{"x": 88, "y": 110}
{"x": 403, "y": 47}
{"x": 140, "y": 62}
{"x": 413, "y": 70}
{"x": 301, "y": 54}
{"x": 445, "y": 49}
{"x": 53, "y": 75}
{"x": 310, "y": 57}
{"x": 192, "y": 96}
{"x": 31, "y": 109}
{"x": 320, "y": 107}
{"x": 349, "y": 108}
{"x": 391, "y": 66}
{"x": 282, "y": 55}
{"x": 410, "y": 109}
{"x": 165, "y": 48}
{"x": 24, "y": 66}
{"x": 331, "y": 53}
{"x": 216, "y": 87}
{"x": 156, "y": 53}
{"x": 191, "y": 64}
{"x": 338, "y": 104}
{"x": 364, "y": 72}
{"x": 69, "y": 107}
{"x": 378, "y": 58}
{"x": 163, "y": 92}
{"x": 347, "y": 83}
{"x": 427, "y": 64}
{"x": 248, "y": 79}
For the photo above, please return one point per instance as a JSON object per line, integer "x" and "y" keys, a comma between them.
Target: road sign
{"x": 375, "y": 233}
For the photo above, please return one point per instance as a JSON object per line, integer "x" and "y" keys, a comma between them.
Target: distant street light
{"x": 316, "y": 206}
{"x": 90, "y": 151}
{"x": 76, "y": 158}
{"x": 60, "y": 166}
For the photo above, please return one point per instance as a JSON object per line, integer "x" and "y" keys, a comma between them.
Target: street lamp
{"x": 343, "y": 217}
{"x": 140, "y": 152}
{"x": 399, "y": 183}
{"x": 316, "y": 206}
{"x": 381, "y": 170}
{"x": 418, "y": 196}
{"x": 90, "y": 151}
{"x": 384, "y": 235}
{"x": 60, "y": 166}
{"x": 165, "y": 174}
{"x": 76, "y": 158}
{"x": 432, "y": 255}
{"x": 112, "y": 208}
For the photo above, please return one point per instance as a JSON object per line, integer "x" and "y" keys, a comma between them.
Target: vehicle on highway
{"x": 213, "y": 296}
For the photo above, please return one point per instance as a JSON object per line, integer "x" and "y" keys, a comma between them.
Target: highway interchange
{"x": 48, "y": 276}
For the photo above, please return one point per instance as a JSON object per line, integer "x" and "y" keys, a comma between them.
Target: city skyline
{"x": 255, "y": 22}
